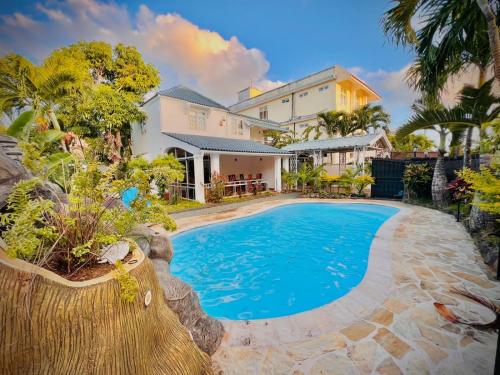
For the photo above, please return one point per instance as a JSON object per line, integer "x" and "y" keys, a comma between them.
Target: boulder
{"x": 207, "y": 332}
{"x": 11, "y": 169}
{"x": 154, "y": 241}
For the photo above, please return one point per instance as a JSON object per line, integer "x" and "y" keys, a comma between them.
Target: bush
{"x": 69, "y": 236}
{"x": 215, "y": 192}
{"x": 361, "y": 182}
{"x": 417, "y": 180}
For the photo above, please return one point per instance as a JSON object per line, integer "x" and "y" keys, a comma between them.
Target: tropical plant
{"x": 361, "y": 183}
{"x": 309, "y": 174}
{"x": 476, "y": 106}
{"x": 487, "y": 183}
{"x": 289, "y": 178}
{"x": 459, "y": 189}
{"x": 327, "y": 181}
{"x": 215, "y": 192}
{"x": 40, "y": 155}
{"x": 280, "y": 139}
{"x": 343, "y": 123}
{"x": 72, "y": 235}
{"x": 38, "y": 88}
{"x": 412, "y": 142}
{"x": 452, "y": 35}
{"x": 417, "y": 179}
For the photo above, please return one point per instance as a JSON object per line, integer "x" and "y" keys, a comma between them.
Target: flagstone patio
{"x": 386, "y": 325}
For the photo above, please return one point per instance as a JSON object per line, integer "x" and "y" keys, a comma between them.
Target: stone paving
{"x": 386, "y": 325}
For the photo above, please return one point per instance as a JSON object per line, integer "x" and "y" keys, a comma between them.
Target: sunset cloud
{"x": 182, "y": 51}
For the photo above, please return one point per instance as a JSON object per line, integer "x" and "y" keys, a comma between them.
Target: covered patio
{"x": 339, "y": 154}
{"x": 247, "y": 166}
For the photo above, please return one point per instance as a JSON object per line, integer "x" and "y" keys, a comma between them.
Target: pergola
{"x": 328, "y": 152}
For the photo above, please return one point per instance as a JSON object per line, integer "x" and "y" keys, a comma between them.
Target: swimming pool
{"x": 283, "y": 261}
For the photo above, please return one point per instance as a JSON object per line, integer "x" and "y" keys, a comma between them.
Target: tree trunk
{"x": 493, "y": 36}
{"x": 56, "y": 126}
{"x": 439, "y": 182}
{"x": 467, "y": 148}
{"x": 54, "y": 326}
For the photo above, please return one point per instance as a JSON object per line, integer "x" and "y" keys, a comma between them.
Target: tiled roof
{"x": 335, "y": 143}
{"x": 226, "y": 144}
{"x": 185, "y": 93}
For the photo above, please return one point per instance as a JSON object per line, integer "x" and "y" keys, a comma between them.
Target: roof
{"x": 185, "y": 93}
{"x": 226, "y": 144}
{"x": 267, "y": 124}
{"x": 336, "y": 143}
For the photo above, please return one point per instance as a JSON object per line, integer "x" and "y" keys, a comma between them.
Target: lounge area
{"x": 246, "y": 167}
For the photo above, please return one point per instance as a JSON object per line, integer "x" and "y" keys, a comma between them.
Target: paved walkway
{"x": 386, "y": 325}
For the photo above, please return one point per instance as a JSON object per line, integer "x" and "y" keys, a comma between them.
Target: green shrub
{"x": 417, "y": 180}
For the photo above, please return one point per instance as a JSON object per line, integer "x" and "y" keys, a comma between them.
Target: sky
{"x": 218, "y": 47}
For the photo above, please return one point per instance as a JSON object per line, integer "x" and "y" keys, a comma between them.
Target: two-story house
{"x": 296, "y": 105}
{"x": 206, "y": 137}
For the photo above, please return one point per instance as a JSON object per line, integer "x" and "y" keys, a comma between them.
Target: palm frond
{"x": 397, "y": 21}
{"x": 19, "y": 127}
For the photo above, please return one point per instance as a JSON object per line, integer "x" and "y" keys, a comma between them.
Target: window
{"x": 343, "y": 96}
{"x": 197, "y": 120}
{"x": 236, "y": 126}
{"x": 303, "y": 94}
{"x": 342, "y": 158}
{"x": 301, "y": 126}
{"x": 285, "y": 100}
{"x": 263, "y": 113}
{"x": 323, "y": 88}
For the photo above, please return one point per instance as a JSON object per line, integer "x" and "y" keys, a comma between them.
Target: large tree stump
{"x": 49, "y": 325}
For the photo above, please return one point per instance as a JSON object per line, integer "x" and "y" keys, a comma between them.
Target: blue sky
{"x": 218, "y": 46}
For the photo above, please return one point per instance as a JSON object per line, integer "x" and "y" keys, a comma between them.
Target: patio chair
{"x": 250, "y": 186}
{"x": 258, "y": 184}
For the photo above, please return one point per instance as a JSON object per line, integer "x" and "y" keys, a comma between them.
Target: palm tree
{"x": 343, "y": 123}
{"x": 371, "y": 117}
{"x": 454, "y": 35}
{"x": 462, "y": 32}
{"x": 40, "y": 88}
{"x": 476, "y": 106}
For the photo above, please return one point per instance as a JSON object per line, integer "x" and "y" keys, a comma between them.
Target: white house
{"x": 208, "y": 138}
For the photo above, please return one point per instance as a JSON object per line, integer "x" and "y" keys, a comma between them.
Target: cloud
{"x": 183, "y": 52}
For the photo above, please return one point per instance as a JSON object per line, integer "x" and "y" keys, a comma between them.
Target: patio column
{"x": 214, "y": 163}
{"x": 277, "y": 174}
{"x": 199, "y": 187}
{"x": 286, "y": 163}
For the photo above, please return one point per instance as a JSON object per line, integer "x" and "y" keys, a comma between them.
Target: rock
{"x": 161, "y": 247}
{"x": 207, "y": 332}
{"x": 115, "y": 252}
{"x": 381, "y": 316}
{"x": 11, "y": 169}
{"x": 391, "y": 343}
{"x": 155, "y": 244}
{"x": 357, "y": 331}
{"x": 332, "y": 364}
{"x": 435, "y": 354}
{"x": 302, "y": 350}
{"x": 388, "y": 367}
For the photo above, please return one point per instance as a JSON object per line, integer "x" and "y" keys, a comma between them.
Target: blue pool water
{"x": 283, "y": 261}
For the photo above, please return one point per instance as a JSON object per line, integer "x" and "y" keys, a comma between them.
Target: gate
{"x": 388, "y": 173}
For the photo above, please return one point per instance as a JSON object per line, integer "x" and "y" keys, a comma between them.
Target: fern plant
{"x": 28, "y": 231}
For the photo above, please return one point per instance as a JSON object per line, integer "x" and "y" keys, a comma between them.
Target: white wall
{"x": 146, "y": 138}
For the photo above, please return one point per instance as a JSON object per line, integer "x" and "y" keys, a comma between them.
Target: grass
{"x": 244, "y": 198}
{"x": 182, "y": 205}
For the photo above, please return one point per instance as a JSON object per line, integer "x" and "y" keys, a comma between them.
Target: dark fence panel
{"x": 388, "y": 173}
